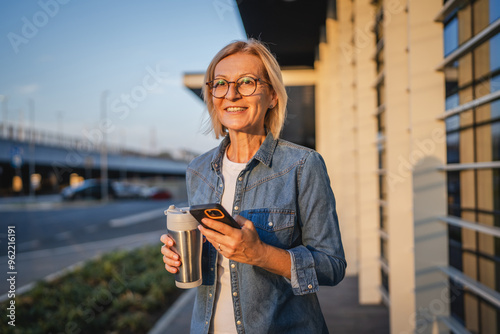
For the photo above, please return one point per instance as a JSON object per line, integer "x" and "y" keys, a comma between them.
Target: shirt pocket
{"x": 274, "y": 226}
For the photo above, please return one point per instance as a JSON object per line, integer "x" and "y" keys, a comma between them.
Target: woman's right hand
{"x": 170, "y": 258}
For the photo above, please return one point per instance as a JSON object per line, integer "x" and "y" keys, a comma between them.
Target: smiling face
{"x": 243, "y": 113}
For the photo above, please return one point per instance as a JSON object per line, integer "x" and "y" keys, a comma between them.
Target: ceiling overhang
{"x": 291, "y": 28}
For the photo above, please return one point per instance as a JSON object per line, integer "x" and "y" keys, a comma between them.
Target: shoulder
{"x": 295, "y": 152}
{"x": 307, "y": 160}
{"x": 286, "y": 145}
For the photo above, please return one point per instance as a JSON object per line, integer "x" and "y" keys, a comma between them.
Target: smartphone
{"x": 212, "y": 211}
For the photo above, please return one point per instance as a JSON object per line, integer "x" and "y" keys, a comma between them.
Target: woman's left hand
{"x": 241, "y": 245}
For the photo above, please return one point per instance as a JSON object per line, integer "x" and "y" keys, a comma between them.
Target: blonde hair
{"x": 275, "y": 117}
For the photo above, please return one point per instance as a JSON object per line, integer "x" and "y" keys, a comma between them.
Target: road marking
{"x": 137, "y": 218}
{"x": 29, "y": 244}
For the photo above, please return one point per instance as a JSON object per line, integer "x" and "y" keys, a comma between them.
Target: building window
{"x": 473, "y": 136}
{"x": 450, "y": 36}
{"x": 494, "y": 10}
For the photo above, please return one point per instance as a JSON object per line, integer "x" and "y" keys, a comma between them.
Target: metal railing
{"x": 48, "y": 138}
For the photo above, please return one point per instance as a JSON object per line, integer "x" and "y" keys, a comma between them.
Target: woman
{"x": 263, "y": 277}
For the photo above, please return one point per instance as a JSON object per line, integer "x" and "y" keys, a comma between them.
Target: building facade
{"x": 407, "y": 117}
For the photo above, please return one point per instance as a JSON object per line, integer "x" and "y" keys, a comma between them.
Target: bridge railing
{"x": 48, "y": 138}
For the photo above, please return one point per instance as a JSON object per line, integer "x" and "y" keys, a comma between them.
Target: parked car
{"x": 88, "y": 189}
{"x": 156, "y": 193}
{"x": 124, "y": 189}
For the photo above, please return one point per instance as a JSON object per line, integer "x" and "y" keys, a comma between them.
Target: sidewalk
{"x": 340, "y": 307}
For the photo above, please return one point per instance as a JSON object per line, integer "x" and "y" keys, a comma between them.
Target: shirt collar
{"x": 264, "y": 154}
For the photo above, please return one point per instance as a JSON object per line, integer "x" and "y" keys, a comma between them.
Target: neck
{"x": 244, "y": 146}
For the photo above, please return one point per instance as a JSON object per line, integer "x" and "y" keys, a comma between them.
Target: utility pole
{"x": 32, "y": 148}
{"x": 20, "y": 129}
{"x": 104, "y": 152}
{"x": 5, "y": 114}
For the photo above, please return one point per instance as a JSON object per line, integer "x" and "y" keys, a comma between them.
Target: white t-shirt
{"x": 223, "y": 312}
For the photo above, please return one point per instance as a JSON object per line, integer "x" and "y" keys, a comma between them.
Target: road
{"x": 49, "y": 238}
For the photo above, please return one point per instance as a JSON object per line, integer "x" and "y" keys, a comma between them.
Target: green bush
{"x": 121, "y": 292}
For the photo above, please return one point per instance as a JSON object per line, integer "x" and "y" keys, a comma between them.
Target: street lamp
{"x": 4, "y": 99}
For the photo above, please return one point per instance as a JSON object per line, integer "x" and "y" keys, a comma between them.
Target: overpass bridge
{"x": 50, "y": 161}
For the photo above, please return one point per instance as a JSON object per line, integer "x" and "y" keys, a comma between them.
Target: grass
{"x": 121, "y": 292}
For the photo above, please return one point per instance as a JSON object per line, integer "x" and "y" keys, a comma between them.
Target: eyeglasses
{"x": 245, "y": 86}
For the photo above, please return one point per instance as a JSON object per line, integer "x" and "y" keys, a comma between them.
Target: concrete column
{"x": 427, "y": 153}
{"x": 366, "y": 132}
{"x": 334, "y": 124}
{"x": 327, "y": 99}
{"x": 400, "y": 185}
{"x": 346, "y": 152}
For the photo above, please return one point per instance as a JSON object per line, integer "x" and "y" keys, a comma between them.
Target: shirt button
{"x": 235, "y": 294}
{"x": 310, "y": 286}
{"x": 233, "y": 265}
{"x": 236, "y": 208}
{"x": 270, "y": 224}
{"x": 206, "y": 322}
{"x": 240, "y": 179}
{"x": 210, "y": 295}
{"x": 211, "y": 269}
{"x": 238, "y": 322}
{"x": 220, "y": 185}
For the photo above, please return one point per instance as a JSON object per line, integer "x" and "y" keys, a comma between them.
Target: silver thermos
{"x": 183, "y": 229}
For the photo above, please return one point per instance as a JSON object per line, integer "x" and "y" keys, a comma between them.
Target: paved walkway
{"x": 340, "y": 307}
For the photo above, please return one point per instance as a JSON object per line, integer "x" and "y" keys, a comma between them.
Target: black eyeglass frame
{"x": 211, "y": 83}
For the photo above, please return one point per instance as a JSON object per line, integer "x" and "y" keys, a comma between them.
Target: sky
{"x": 68, "y": 56}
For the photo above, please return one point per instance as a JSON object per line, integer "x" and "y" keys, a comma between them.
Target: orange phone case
{"x": 212, "y": 211}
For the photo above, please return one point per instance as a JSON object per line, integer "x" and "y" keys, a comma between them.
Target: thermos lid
{"x": 179, "y": 219}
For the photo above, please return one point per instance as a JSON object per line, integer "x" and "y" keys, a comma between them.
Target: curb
{"x": 173, "y": 312}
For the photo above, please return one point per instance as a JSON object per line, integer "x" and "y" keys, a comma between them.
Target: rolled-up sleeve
{"x": 320, "y": 259}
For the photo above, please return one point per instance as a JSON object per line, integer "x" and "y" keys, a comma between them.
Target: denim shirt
{"x": 285, "y": 191}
